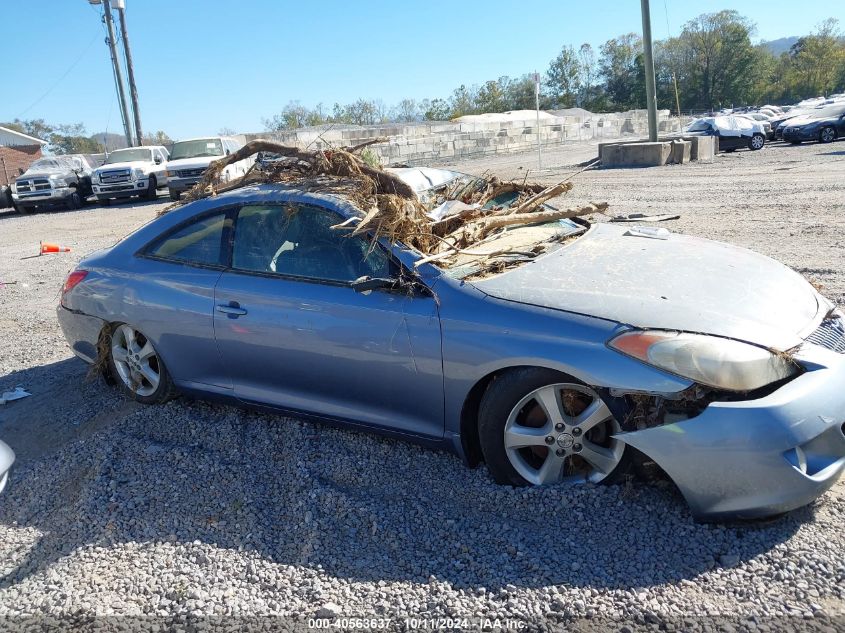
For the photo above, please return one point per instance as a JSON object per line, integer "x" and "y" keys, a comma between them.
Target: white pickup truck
{"x": 134, "y": 171}
{"x": 191, "y": 157}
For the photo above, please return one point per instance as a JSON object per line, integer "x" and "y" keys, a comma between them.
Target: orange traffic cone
{"x": 47, "y": 247}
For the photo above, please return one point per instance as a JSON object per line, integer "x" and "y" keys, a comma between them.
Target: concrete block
{"x": 636, "y": 154}
{"x": 680, "y": 152}
{"x": 704, "y": 148}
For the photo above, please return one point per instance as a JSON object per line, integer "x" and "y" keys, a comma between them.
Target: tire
{"x": 73, "y": 201}
{"x": 795, "y": 142}
{"x": 136, "y": 366}
{"x": 174, "y": 195}
{"x": 827, "y": 135}
{"x": 152, "y": 189}
{"x": 554, "y": 452}
{"x": 756, "y": 142}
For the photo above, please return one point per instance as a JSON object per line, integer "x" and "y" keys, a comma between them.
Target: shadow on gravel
{"x": 206, "y": 478}
{"x": 839, "y": 153}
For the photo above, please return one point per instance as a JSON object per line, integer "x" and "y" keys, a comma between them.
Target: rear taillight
{"x": 72, "y": 281}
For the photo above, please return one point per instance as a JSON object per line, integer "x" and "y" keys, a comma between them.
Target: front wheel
{"x": 756, "y": 142}
{"x": 537, "y": 426}
{"x": 73, "y": 201}
{"x": 827, "y": 135}
{"x": 152, "y": 189}
{"x": 137, "y": 367}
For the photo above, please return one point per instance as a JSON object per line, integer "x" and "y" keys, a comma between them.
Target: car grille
{"x": 32, "y": 184}
{"x": 114, "y": 176}
{"x": 190, "y": 173}
{"x": 830, "y": 335}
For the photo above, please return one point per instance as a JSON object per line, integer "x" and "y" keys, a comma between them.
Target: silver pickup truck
{"x": 53, "y": 181}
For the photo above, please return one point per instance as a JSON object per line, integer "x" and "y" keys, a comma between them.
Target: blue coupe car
{"x": 614, "y": 345}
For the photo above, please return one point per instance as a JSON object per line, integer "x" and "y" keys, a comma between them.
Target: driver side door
{"x": 295, "y": 335}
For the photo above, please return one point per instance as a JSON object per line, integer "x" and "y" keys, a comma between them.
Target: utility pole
{"x": 120, "y": 5}
{"x": 118, "y": 74}
{"x": 648, "y": 59}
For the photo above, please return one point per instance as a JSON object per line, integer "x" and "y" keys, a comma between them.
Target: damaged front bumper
{"x": 81, "y": 331}
{"x": 756, "y": 458}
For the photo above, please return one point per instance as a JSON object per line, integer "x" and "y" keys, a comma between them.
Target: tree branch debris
{"x": 390, "y": 207}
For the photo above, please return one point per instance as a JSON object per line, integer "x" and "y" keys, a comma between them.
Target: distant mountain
{"x": 781, "y": 45}
{"x": 110, "y": 140}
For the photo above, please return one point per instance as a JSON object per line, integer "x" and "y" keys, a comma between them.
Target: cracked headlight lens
{"x": 709, "y": 360}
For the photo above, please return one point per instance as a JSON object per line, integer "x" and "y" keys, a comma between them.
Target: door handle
{"x": 232, "y": 309}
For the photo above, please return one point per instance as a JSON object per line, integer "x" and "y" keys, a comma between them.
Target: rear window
{"x": 200, "y": 242}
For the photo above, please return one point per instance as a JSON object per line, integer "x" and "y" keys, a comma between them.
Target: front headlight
{"x": 137, "y": 174}
{"x": 709, "y": 360}
{"x": 58, "y": 182}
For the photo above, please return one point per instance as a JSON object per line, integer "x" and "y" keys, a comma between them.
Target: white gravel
{"x": 193, "y": 509}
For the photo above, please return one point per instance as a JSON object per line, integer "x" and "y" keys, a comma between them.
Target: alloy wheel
{"x": 828, "y": 135}
{"x": 563, "y": 433}
{"x": 757, "y": 142}
{"x": 136, "y": 361}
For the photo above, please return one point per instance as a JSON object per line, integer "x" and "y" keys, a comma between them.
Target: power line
{"x": 60, "y": 79}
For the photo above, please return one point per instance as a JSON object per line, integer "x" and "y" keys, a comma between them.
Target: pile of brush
{"x": 456, "y": 218}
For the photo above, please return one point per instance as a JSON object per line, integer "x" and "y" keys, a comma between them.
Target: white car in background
{"x": 133, "y": 171}
{"x": 7, "y": 458}
{"x": 190, "y": 158}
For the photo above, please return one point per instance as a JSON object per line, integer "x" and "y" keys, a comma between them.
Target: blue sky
{"x": 206, "y": 65}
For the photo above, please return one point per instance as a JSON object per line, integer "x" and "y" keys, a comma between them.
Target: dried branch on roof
{"x": 390, "y": 207}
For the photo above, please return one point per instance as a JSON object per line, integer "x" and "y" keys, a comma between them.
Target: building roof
{"x": 10, "y": 138}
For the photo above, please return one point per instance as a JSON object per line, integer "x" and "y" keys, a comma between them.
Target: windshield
{"x": 702, "y": 125}
{"x": 196, "y": 149}
{"x": 127, "y": 155}
{"x": 46, "y": 163}
{"x": 829, "y": 111}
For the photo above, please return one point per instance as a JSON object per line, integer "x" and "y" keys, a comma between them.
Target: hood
{"x": 129, "y": 164}
{"x": 45, "y": 173}
{"x": 192, "y": 163}
{"x": 679, "y": 283}
{"x": 808, "y": 120}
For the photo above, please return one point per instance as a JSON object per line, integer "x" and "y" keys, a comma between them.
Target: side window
{"x": 199, "y": 242}
{"x": 299, "y": 241}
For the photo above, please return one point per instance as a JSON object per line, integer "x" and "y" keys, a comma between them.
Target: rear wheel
{"x": 537, "y": 426}
{"x": 152, "y": 189}
{"x": 757, "y": 141}
{"x": 137, "y": 367}
{"x": 827, "y": 135}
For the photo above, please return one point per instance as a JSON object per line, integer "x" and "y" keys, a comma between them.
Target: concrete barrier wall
{"x": 420, "y": 143}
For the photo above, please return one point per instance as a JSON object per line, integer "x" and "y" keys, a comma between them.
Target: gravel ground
{"x": 192, "y": 509}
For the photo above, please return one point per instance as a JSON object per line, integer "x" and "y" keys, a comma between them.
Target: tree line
{"x": 73, "y": 138}
{"x": 712, "y": 63}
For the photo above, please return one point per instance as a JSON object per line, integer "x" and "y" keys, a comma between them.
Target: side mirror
{"x": 368, "y": 284}
{"x": 228, "y": 151}
{"x": 20, "y": 171}
{"x": 158, "y": 160}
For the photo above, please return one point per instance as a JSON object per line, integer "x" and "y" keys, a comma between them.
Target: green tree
{"x": 491, "y": 97}
{"x": 72, "y": 139}
{"x": 720, "y": 59}
{"x": 816, "y": 60}
{"x": 438, "y": 110}
{"x": 621, "y": 72}
{"x": 563, "y": 78}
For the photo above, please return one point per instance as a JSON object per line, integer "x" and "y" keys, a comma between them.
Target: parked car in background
{"x": 190, "y": 158}
{"x": 549, "y": 370}
{"x": 763, "y": 120}
{"x": 54, "y": 181}
{"x": 133, "y": 171}
{"x": 7, "y": 458}
{"x": 825, "y": 125}
{"x": 732, "y": 132}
